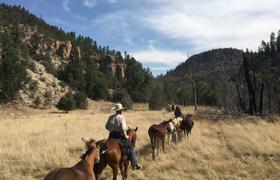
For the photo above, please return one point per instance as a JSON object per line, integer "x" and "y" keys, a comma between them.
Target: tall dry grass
{"x": 34, "y": 142}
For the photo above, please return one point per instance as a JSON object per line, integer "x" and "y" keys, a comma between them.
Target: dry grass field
{"x": 33, "y": 142}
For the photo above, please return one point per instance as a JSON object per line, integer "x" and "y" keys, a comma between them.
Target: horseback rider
{"x": 178, "y": 112}
{"x": 117, "y": 126}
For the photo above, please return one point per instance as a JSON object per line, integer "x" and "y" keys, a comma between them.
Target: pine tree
{"x": 12, "y": 73}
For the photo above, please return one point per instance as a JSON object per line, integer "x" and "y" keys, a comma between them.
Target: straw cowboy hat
{"x": 118, "y": 107}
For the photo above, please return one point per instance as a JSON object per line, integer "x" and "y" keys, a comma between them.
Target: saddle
{"x": 124, "y": 144}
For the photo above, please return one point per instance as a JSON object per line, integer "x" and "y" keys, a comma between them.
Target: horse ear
{"x": 136, "y": 129}
{"x": 85, "y": 141}
{"x": 128, "y": 128}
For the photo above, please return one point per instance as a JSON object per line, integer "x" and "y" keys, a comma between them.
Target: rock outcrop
{"x": 121, "y": 70}
{"x": 43, "y": 89}
{"x": 111, "y": 66}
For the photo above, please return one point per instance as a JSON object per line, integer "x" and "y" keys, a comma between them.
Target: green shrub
{"x": 37, "y": 102}
{"x": 81, "y": 100}
{"x": 33, "y": 85}
{"x": 66, "y": 103}
{"x": 157, "y": 100}
{"x": 123, "y": 97}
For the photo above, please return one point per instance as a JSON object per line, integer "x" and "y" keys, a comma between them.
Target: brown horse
{"x": 157, "y": 133}
{"x": 114, "y": 157}
{"x": 83, "y": 169}
{"x": 187, "y": 125}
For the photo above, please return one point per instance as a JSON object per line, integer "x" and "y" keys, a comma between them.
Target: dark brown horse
{"x": 83, "y": 169}
{"x": 157, "y": 133}
{"x": 114, "y": 157}
{"x": 187, "y": 125}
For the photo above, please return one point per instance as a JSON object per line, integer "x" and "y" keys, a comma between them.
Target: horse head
{"x": 132, "y": 136}
{"x": 91, "y": 147}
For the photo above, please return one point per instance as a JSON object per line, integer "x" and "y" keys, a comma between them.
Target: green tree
{"x": 157, "y": 100}
{"x": 123, "y": 97}
{"x": 66, "y": 103}
{"x": 12, "y": 73}
{"x": 81, "y": 100}
{"x": 74, "y": 71}
{"x": 96, "y": 83}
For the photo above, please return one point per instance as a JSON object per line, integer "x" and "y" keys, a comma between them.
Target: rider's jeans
{"x": 132, "y": 158}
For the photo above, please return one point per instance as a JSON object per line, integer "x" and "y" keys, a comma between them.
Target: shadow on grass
{"x": 58, "y": 112}
{"x": 145, "y": 150}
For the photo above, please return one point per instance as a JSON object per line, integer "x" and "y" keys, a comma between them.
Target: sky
{"x": 163, "y": 33}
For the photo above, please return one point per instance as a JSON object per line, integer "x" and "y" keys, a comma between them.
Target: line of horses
{"x": 96, "y": 158}
{"x": 173, "y": 129}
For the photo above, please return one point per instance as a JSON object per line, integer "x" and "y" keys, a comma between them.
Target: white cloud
{"x": 153, "y": 55}
{"x": 65, "y": 5}
{"x": 89, "y": 3}
{"x": 215, "y": 23}
{"x": 191, "y": 26}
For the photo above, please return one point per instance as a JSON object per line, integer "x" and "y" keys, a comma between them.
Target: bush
{"x": 33, "y": 85}
{"x": 37, "y": 102}
{"x": 123, "y": 97}
{"x": 81, "y": 100}
{"x": 66, "y": 103}
{"x": 157, "y": 100}
{"x": 127, "y": 101}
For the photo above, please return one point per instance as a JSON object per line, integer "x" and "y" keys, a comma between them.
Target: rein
{"x": 106, "y": 150}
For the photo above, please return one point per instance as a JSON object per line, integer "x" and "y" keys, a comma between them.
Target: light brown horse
{"x": 114, "y": 157}
{"x": 83, "y": 169}
{"x": 157, "y": 133}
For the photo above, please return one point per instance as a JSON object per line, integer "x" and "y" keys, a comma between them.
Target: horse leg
{"x": 157, "y": 145}
{"x": 115, "y": 168}
{"x": 153, "y": 147}
{"x": 162, "y": 142}
{"x": 126, "y": 169}
{"x": 98, "y": 168}
{"x": 122, "y": 170}
{"x": 168, "y": 138}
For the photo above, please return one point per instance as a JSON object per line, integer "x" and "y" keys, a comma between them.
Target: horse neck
{"x": 130, "y": 135}
{"x": 87, "y": 164}
{"x": 165, "y": 124}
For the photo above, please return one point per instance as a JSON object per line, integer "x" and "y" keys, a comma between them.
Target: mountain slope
{"x": 78, "y": 61}
{"x": 214, "y": 65}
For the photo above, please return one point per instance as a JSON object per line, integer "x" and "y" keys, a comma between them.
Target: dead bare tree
{"x": 251, "y": 91}
{"x": 194, "y": 88}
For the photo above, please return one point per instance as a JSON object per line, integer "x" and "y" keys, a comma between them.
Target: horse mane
{"x": 166, "y": 122}
{"x": 89, "y": 148}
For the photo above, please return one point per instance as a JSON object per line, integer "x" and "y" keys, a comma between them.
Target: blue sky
{"x": 162, "y": 33}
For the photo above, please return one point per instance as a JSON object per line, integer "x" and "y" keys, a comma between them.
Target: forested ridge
{"x": 240, "y": 82}
{"x": 97, "y": 71}
{"x": 237, "y": 81}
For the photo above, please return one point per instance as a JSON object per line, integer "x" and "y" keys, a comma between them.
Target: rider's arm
{"x": 124, "y": 126}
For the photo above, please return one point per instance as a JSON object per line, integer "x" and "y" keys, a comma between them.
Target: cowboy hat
{"x": 118, "y": 107}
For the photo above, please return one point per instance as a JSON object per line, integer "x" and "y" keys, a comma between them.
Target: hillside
{"x": 240, "y": 82}
{"x": 214, "y": 65}
{"x": 53, "y": 62}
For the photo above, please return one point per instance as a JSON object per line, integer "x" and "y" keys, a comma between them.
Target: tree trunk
{"x": 195, "y": 94}
{"x": 269, "y": 98}
{"x": 241, "y": 101}
{"x": 252, "y": 100}
{"x": 261, "y": 99}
